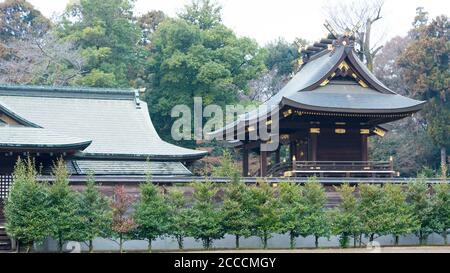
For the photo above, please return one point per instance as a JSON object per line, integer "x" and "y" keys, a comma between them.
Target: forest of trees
{"x": 101, "y": 43}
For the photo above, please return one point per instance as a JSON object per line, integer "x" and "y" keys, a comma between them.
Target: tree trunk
{"x": 397, "y": 239}
{"x": 371, "y": 237}
{"x": 316, "y": 241}
{"x": 237, "y": 241}
{"x": 121, "y": 243}
{"x": 443, "y": 163}
{"x": 292, "y": 240}
{"x": 60, "y": 243}
{"x": 180, "y": 241}
{"x": 444, "y": 234}
{"x": 354, "y": 240}
{"x": 360, "y": 240}
{"x": 91, "y": 246}
{"x": 422, "y": 238}
{"x": 265, "y": 241}
{"x": 149, "y": 249}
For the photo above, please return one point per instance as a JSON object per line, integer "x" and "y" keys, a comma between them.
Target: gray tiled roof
{"x": 27, "y": 137}
{"x": 349, "y": 97}
{"x": 107, "y": 167}
{"x": 113, "y": 120}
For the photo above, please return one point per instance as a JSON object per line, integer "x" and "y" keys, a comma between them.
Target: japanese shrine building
{"x": 326, "y": 112}
{"x": 105, "y": 131}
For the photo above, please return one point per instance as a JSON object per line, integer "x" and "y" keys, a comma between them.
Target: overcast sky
{"x": 266, "y": 20}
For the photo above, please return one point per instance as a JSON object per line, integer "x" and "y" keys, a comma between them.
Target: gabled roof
{"x": 314, "y": 88}
{"x": 115, "y": 120}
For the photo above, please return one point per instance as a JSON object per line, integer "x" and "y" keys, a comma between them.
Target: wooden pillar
{"x": 364, "y": 148}
{"x": 245, "y": 154}
{"x": 263, "y": 163}
{"x": 292, "y": 149}
{"x": 313, "y": 146}
{"x": 277, "y": 155}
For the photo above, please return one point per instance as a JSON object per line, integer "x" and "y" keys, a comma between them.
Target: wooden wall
{"x": 339, "y": 147}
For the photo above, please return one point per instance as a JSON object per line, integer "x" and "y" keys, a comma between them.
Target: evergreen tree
{"x": 317, "y": 218}
{"x": 265, "y": 211}
{"x": 228, "y": 168}
{"x": 206, "y": 216}
{"x": 441, "y": 209}
{"x": 67, "y": 224}
{"x": 28, "y": 219}
{"x": 195, "y": 55}
{"x": 236, "y": 208}
{"x": 373, "y": 215}
{"x": 418, "y": 195}
{"x": 179, "y": 216}
{"x": 346, "y": 219}
{"x": 109, "y": 38}
{"x": 425, "y": 71}
{"x": 292, "y": 211}
{"x": 398, "y": 212}
{"x": 151, "y": 214}
{"x": 95, "y": 212}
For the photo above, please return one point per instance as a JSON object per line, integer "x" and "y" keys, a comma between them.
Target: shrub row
{"x": 36, "y": 211}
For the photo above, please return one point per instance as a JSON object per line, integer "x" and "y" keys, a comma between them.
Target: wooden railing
{"x": 333, "y": 168}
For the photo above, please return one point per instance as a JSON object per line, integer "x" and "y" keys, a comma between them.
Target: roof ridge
{"x": 65, "y": 88}
{"x": 68, "y": 92}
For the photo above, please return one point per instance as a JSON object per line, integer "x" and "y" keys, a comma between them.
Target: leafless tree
{"x": 40, "y": 60}
{"x": 267, "y": 85}
{"x": 359, "y": 15}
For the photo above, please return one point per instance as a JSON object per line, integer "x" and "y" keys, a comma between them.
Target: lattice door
{"x": 5, "y": 185}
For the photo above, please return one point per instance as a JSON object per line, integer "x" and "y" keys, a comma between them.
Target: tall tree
{"x": 27, "y": 209}
{"x": 372, "y": 209}
{"x": 109, "y": 38}
{"x": 148, "y": 23}
{"x": 203, "y": 13}
{"x": 346, "y": 219}
{"x": 419, "y": 197}
{"x": 441, "y": 209}
{"x": 425, "y": 70}
{"x": 19, "y": 20}
{"x": 197, "y": 56}
{"x": 317, "y": 218}
{"x": 206, "y": 215}
{"x": 151, "y": 214}
{"x": 359, "y": 15}
{"x": 236, "y": 217}
{"x": 265, "y": 212}
{"x": 46, "y": 60}
{"x": 292, "y": 212}
{"x": 180, "y": 216}
{"x": 95, "y": 212}
{"x": 399, "y": 214}
{"x": 67, "y": 224}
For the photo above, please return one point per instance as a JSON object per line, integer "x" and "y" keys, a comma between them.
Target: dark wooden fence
{"x": 136, "y": 179}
